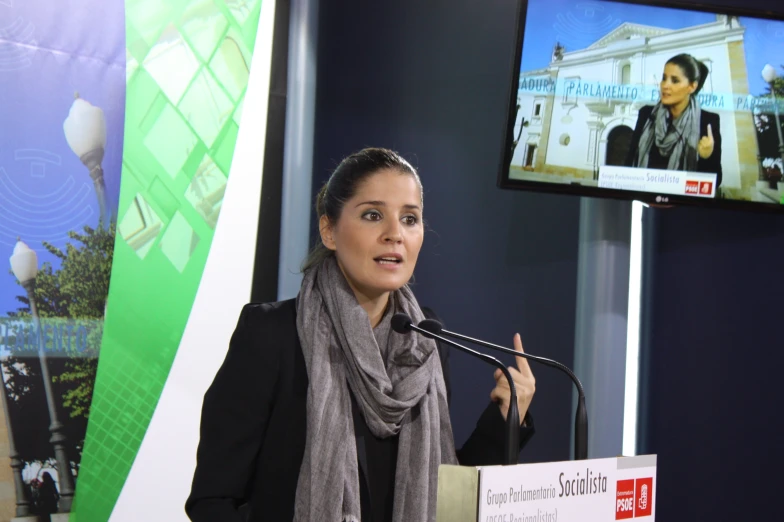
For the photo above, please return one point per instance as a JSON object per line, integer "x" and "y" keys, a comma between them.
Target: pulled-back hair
{"x": 344, "y": 183}
{"x": 693, "y": 69}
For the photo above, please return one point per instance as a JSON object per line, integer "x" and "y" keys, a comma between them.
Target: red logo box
{"x": 624, "y": 499}
{"x": 643, "y": 494}
{"x": 706, "y": 188}
{"x": 692, "y": 187}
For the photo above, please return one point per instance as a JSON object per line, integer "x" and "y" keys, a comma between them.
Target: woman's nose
{"x": 392, "y": 233}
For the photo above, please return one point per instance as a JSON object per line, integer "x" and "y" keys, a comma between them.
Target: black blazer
{"x": 711, "y": 165}
{"x": 253, "y": 424}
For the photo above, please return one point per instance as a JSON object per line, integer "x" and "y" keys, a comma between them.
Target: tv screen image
{"x": 648, "y": 102}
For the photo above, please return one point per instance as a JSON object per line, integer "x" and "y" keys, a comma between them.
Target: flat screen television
{"x": 654, "y": 101}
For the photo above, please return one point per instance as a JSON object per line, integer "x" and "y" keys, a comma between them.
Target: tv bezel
{"x": 505, "y": 182}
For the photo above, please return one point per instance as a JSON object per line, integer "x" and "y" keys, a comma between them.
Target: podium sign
{"x": 598, "y": 490}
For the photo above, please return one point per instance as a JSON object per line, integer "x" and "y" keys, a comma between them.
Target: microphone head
{"x": 401, "y": 323}
{"x": 432, "y": 326}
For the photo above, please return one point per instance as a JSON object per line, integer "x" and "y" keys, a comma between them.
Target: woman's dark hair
{"x": 695, "y": 70}
{"x": 343, "y": 184}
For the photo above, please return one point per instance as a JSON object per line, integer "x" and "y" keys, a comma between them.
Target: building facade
{"x": 579, "y": 113}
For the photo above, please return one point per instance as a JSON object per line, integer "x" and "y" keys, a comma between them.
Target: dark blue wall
{"x": 712, "y": 363}
{"x": 711, "y": 358}
{"x": 427, "y": 78}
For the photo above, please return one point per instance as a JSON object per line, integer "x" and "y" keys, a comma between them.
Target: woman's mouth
{"x": 389, "y": 260}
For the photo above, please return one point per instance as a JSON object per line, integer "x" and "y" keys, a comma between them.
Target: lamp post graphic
{"x": 24, "y": 265}
{"x": 85, "y": 132}
{"x": 769, "y": 75}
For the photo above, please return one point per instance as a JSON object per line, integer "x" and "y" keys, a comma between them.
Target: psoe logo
{"x": 624, "y": 499}
{"x": 634, "y": 498}
{"x": 643, "y": 489}
{"x": 706, "y": 188}
{"x": 692, "y": 187}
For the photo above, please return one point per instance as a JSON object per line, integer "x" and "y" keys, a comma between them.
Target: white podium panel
{"x": 599, "y": 490}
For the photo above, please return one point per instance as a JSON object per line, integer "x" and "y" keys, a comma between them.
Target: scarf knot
{"x": 399, "y": 389}
{"x": 676, "y": 140}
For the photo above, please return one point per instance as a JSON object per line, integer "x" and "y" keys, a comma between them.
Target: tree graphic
{"x": 765, "y": 121}
{"x": 75, "y": 291}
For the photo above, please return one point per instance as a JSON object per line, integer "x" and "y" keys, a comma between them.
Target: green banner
{"x": 187, "y": 71}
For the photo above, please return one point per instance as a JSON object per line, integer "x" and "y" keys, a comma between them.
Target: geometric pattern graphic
{"x": 584, "y": 24}
{"x": 140, "y": 226}
{"x": 179, "y": 242}
{"x": 15, "y": 31}
{"x": 206, "y": 189}
{"x": 42, "y": 217}
{"x": 187, "y": 71}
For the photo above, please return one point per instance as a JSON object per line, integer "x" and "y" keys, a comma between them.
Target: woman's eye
{"x": 410, "y": 220}
{"x": 372, "y": 215}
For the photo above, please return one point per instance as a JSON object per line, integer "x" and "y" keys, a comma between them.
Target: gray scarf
{"x": 677, "y": 141}
{"x": 403, "y": 395}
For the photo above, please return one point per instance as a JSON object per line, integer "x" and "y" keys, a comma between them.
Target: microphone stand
{"x": 512, "y": 439}
{"x": 581, "y": 415}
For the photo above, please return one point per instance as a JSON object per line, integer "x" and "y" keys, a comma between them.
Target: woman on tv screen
{"x": 676, "y": 134}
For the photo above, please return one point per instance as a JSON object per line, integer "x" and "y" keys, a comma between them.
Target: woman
{"x": 47, "y": 496}
{"x": 675, "y": 134}
{"x": 319, "y": 411}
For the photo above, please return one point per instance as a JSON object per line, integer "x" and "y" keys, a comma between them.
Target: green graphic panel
{"x": 187, "y": 71}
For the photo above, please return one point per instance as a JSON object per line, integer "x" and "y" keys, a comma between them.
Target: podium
{"x": 597, "y": 490}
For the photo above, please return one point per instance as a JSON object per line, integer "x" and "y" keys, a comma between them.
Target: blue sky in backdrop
{"x": 45, "y": 190}
{"x": 578, "y": 24}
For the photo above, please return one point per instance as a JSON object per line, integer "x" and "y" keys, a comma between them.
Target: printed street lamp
{"x": 24, "y": 264}
{"x": 85, "y": 132}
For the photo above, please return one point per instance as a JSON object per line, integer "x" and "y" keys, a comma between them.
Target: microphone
{"x": 581, "y": 416}
{"x": 401, "y": 323}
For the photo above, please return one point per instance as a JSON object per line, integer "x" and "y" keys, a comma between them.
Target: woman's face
{"x": 379, "y": 233}
{"x": 675, "y": 86}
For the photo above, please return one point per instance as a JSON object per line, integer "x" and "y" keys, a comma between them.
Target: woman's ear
{"x": 325, "y": 229}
